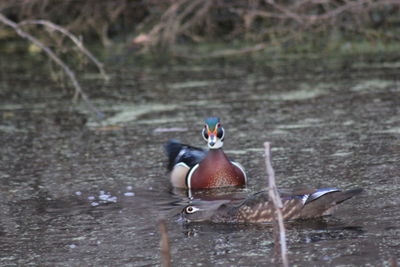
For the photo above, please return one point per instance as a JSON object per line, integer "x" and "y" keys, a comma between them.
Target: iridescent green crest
{"x": 212, "y": 123}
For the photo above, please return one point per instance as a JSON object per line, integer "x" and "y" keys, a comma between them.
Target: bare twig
{"x": 239, "y": 51}
{"x": 285, "y": 11}
{"x": 276, "y": 199}
{"x": 189, "y": 18}
{"x": 199, "y": 15}
{"x": 55, "y": 58}
{"x": 259, "y": 13}
{"x": 246, "y": 50}
{"x": 73, "y": 38}
{"x": 164, "y": 245}
{"x": 228, "y": 52}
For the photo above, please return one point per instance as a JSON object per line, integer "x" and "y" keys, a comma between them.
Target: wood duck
{"x": 258, "y": 209}
{"x": 195, "y": 168}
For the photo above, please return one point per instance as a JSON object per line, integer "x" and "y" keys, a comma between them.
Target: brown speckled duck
{"x": 196, "y": 168}
{"x": 259, "y": 209}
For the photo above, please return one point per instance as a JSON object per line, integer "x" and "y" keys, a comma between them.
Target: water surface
{"x": 75, "y": 191}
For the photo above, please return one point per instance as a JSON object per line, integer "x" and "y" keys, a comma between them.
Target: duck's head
{"x": 213, "y": 133}
{"x": 203, "y": 211}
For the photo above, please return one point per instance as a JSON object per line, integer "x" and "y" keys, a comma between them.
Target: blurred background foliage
{"x": 167, "y": 25}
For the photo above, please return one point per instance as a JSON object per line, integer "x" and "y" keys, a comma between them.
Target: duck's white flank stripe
{"x": 304, "y": 198}
{"x": 242, "y": 169}
{"x": 182, "y": 164}
{"x": 189, "y": 176}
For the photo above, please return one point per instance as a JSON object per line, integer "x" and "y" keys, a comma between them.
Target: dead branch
{"x": 160, "y": 24}
{"x": 164, "y": 245}
{"x": 73, "y": 38}
{"x": 200, "y": 13}
{"x": 276, "y": 199}
{"x": 176, "y": 20}
{"x": 182, "y": 18}
{"x": 286, "y": 11}
{"x": 231, "y": 52}
{"x": 164, "y": 29}
{"x": 56, "y": 59}
{"x": 259, "y": 13}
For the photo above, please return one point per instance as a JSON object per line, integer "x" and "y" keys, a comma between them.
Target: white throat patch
{"x": 217, "y": 144}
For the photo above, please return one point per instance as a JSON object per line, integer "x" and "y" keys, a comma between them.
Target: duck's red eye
{"x": 218, "y": 125}
{"x": 189, "y": 209}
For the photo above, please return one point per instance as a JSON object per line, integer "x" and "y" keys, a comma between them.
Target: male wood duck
{"x": 259, "y": 209}
{"x": 196, "y": 168}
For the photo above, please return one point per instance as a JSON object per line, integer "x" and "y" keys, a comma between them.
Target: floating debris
{"x": 106, "y": 198}
{"x": 109, "y": 128}
{"x": 102, "y": 198}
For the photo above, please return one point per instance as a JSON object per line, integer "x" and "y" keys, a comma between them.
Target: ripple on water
{"x": 394, "y": 130}
{"x": 371, "y": 85}
{"x": 128, "y": 113}
{"x": 342, "y": 153}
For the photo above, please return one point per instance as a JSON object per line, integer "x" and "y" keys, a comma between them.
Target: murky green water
{"x": 77, "y": 192}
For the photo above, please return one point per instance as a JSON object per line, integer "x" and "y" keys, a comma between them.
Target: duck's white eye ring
{"x": 191, "y": 209}
{"x": 204, "y": 134}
